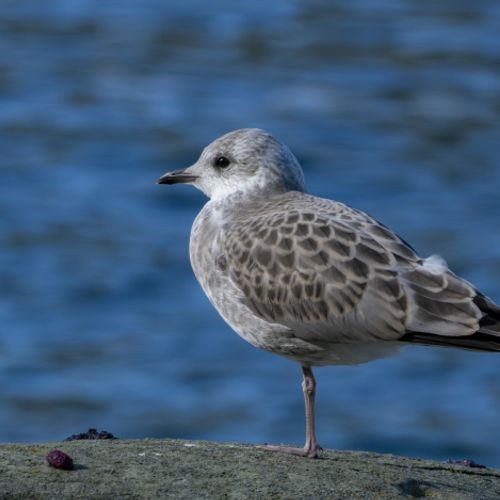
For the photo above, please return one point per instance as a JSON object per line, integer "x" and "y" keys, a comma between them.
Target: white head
{"x": 245, "y": 160}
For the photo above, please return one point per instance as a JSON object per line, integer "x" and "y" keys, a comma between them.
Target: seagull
{"x": 313, "y": 279}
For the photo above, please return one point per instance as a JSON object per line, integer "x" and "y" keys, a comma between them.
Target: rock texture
{"x": 196, "y": 469}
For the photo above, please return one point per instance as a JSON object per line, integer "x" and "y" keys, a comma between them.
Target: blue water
{"x": 392, "y": 106}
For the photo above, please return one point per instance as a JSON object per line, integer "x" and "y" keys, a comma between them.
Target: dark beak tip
{"x": 176, "y": 177}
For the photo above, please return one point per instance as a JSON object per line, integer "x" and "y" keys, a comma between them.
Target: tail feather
{"x": 490, "y": 322}
{"x": 486, "y": 338}
{"x": 475, "y": 342}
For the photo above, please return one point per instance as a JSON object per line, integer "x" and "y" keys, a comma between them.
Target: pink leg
{"x": 311, "y": 448}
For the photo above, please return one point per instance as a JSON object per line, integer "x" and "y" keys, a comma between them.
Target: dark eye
{"x": 221, "y": 162}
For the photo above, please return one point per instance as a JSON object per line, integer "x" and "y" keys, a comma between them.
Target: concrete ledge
{"x": 197, "y": 469}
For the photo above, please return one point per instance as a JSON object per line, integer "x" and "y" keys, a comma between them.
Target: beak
{"x": 176, "y": 177}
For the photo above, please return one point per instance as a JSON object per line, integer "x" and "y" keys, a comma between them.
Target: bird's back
{"x": 334, "y": 275}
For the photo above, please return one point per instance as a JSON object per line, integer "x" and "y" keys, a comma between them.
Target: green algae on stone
{"x": 198, "y": 469}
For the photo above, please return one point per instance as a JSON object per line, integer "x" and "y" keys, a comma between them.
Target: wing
{"x": 334, "y": 274}
{"x": 449, "y": 311}
{"x": 326, "y": 271}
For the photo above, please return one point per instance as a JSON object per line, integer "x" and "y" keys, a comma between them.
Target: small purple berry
{"x": 59, "y": 460}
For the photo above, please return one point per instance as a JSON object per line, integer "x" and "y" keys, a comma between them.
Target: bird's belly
{"x": 227, "y": 300}
{"x": 278, "y": 338}
{"x": 209, "y": 266}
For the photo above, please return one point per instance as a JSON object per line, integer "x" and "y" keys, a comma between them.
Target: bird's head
{"x": 246, "y": 160}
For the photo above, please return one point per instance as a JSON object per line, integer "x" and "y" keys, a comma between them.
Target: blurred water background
{"x": 392, "y": 106}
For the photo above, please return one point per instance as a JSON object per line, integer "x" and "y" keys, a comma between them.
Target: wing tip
{"x": 478, "y": 341}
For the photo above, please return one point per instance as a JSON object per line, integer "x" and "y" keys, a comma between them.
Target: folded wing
{"x": 334, "y": 274}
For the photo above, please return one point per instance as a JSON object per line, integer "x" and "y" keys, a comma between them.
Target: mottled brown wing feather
{"x": 335, "y": 274}
{"x": 312, "y": 268}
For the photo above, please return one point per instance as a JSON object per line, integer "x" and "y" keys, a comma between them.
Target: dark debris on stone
{"x": 91, "y": 434}
{"x": 466, "y": 463}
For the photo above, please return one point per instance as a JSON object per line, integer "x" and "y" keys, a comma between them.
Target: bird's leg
{"x": 311, "y": 448}
{"x": 309, "y": 388}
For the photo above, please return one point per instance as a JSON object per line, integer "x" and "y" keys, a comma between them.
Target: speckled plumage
{"x": 320, "y": 274}
{"x": 313, "y": 279}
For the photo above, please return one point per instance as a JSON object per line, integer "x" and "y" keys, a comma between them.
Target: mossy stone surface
{"x": 198, "y": 469}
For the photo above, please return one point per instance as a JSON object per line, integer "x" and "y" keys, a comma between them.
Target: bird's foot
{"x": 309, "y": 451}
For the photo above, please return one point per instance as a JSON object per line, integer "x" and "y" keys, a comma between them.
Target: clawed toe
{"x": 311, "y": 451}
